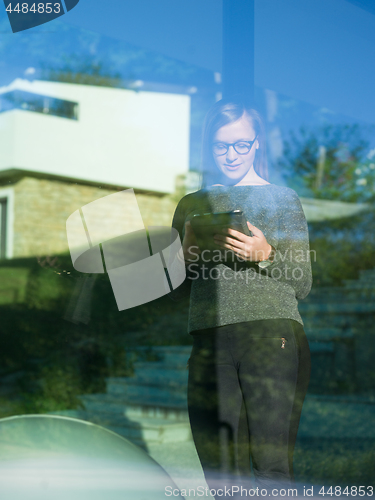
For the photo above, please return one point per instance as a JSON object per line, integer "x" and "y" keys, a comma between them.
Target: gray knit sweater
{"x": 222, "y": 294}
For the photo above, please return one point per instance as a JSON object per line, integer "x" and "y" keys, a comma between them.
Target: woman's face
{"x": 233, "y": 165}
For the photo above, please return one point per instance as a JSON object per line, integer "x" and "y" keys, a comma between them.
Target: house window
{"x": 27, "y": 101}
{"x": 3, "y": 227}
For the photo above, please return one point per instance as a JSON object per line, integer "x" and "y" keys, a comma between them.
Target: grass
{"x": 335, "y": 462}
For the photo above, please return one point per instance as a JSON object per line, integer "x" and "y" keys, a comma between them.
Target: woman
{"x": 250, "y": 360}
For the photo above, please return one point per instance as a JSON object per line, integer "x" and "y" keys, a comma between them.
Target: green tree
{"x": 330, "y": 162}
{"x": 85, "y": 73}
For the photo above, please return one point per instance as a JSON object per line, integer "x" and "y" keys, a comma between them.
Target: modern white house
{"x": 112, "y": 136}
{"x": 63, "y": 145}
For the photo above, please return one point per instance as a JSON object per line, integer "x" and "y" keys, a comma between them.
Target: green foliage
{"x": 342, "y": 247}
{"x": 59, "y": 358}
{"x": 330, "y": 162}
{"x": 335, "y": 462}
{"x": 57, "y": 388}
{"x": 87, "y": 73}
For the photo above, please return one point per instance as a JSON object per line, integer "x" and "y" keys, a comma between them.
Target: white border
{"x": 9, "y": 194}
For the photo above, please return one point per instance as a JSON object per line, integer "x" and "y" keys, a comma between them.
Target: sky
{"x": 318, "y": 51}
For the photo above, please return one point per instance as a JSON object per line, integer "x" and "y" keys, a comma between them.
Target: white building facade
{"x": 137, "y": 139}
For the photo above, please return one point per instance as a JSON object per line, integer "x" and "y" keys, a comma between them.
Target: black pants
{"x": 247, "y": 383}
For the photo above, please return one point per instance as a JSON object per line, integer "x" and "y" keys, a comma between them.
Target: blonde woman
{"x": 250, "y": 355}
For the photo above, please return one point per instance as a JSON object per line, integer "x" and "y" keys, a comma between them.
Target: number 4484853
{"x": 36, "y": 8}
{"x": 360, "y": 491}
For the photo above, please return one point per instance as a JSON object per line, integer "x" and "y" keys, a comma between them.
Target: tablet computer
{"x": 206, "y": 225}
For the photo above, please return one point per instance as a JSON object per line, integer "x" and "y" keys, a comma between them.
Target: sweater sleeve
{"x": 292, "y": 264}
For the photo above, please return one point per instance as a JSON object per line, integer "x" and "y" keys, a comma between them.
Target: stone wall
{"x": 42, "y": 206}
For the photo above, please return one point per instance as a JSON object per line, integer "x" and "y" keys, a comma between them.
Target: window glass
{"x": 102, "y": 120}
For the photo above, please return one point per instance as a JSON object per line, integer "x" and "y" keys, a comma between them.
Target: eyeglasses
{"x": 241, "y": 147}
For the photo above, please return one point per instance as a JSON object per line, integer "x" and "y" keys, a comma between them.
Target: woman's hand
{"x": 189, "y": 245}
{"x": 249, "y": 248}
